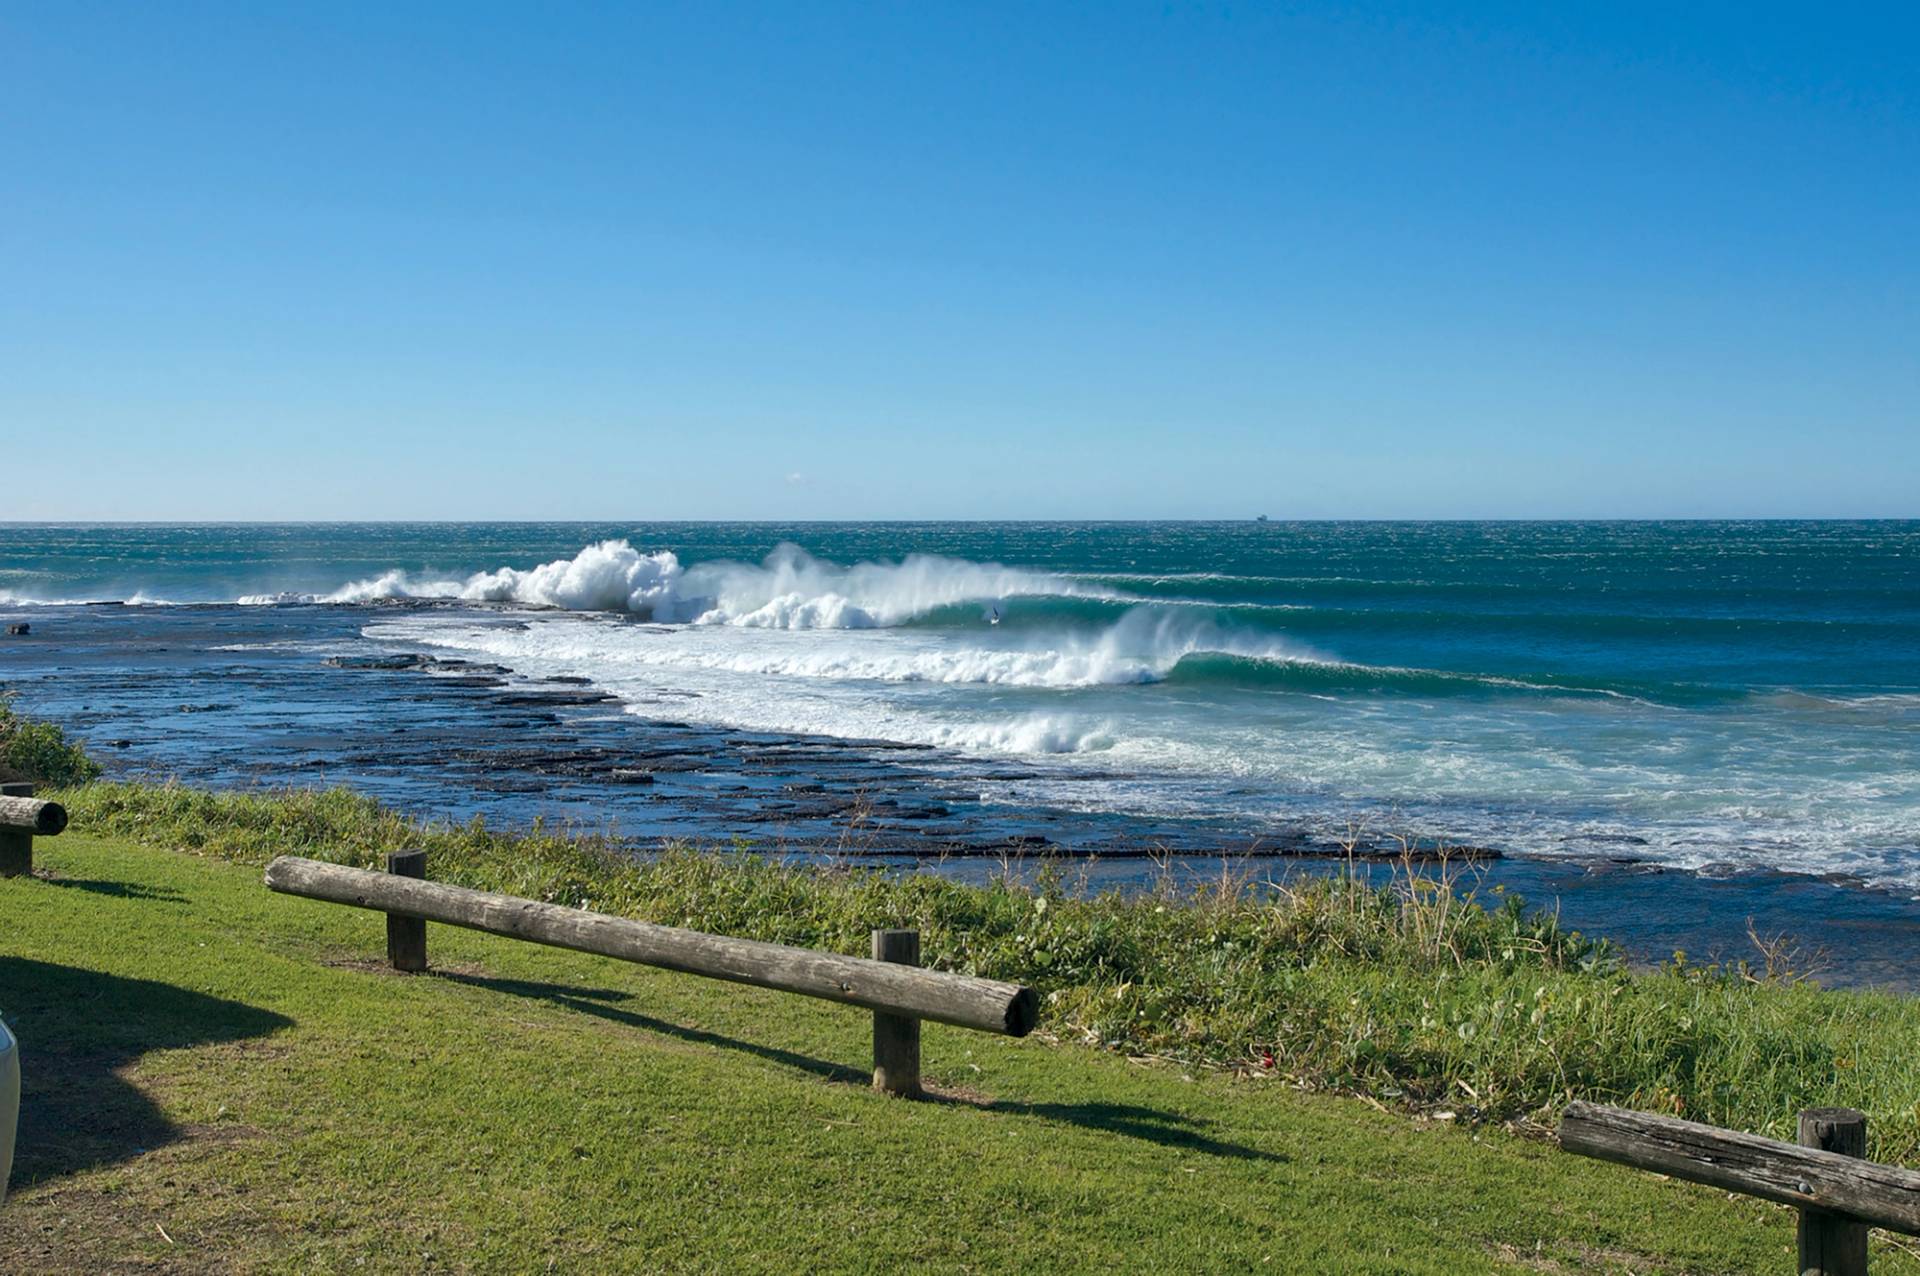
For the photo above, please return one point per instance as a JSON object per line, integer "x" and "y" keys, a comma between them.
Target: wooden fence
{"x": 21, "y": 816}
{"x": 1839, "y": 1194}
{"x": 891, "y": 983}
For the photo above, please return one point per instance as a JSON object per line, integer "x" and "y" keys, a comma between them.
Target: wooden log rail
{"x": 891, "y": 984}
{"x": 22, "y": 816}
{"x": 1838, "y": 1193}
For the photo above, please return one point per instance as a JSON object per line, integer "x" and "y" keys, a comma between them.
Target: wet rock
{"x": 819, "y": 808}
{"x": 544, "y": 699}
{"x": 919, "y": 812}
{"x": 466, "y": 666}
{"x": 379, "y": 662}
{"x": 681, "y": 764}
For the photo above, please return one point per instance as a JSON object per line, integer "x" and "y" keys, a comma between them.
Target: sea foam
{"x": 790, "y": 589}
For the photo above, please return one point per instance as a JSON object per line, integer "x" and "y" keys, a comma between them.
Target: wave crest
{"x": 790, "y": 589}
{"x": 1145, "y": 645}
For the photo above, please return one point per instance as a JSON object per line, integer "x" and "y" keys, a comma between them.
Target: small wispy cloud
{"x": 796, "y": 478}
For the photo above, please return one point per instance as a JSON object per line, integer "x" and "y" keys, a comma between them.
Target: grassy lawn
{"x": 218, "y": 1078}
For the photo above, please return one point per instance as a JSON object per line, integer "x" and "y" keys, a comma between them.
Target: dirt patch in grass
{"x": 59, "y": 1227}
{"x": 380, "y": 966}
{"x": 70, "y": 1229}
{"x": 954, "y": 1092}
{"x": 1586, "y": 1258}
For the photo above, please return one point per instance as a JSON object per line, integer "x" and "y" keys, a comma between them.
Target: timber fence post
{"x": 896, "y": 1038}
{"x": 985, "y": 1005}
{"x": 16, "y": 844}
{"x": 407, "y": 936}
{"x": 1832, "y": 1244}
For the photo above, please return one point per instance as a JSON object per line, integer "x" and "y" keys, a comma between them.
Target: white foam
{"x": 286, "y": 598}
{"x": 791, "y": 589}
{"x": 139, "y": 599}
{"x": 1032, "y": 733}
{"x": 1143, "y": 646}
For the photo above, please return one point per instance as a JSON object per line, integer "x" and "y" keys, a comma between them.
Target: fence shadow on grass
{"x": 1152, "y": 1125}
{"x": 77, "y": 1030}
{"x": 597, "y": 1002}
{"x": 116, "y": 890}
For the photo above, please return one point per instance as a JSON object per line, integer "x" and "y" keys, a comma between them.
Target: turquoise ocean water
{"x": 1708, "y": 694}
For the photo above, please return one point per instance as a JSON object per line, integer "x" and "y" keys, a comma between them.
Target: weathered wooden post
{"x": 898, "y": 988}
{"x": 16, "y": 834}
{"x": 1832, "y": 1244}
{"x": 896, "y": 1038}
{"x": 407, "y": 936}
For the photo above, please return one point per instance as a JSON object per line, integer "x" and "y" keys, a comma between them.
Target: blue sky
{"x": 914, "y": 260}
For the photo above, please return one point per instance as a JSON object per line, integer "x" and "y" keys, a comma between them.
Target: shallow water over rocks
{"x": 228, "y": 696}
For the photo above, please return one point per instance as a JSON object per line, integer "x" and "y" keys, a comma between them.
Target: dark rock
{"x": 545, "y": 699}
{"x": 681, "y": 764}
{"x": 466, "y": 666}
{"x": 379, "y": 662}
{"x": 920, "y": 813}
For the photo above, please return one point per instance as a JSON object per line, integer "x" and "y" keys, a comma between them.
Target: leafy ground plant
{"x": 40, "y": 751}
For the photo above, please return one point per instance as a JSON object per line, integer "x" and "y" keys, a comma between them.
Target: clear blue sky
{"x": 819, "y": 260}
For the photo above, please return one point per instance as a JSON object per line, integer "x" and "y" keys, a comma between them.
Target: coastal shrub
{"x": 1401, "y": 991}
{"x": 40, "y": 751}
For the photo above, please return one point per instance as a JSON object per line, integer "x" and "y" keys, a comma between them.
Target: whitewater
{"x": 790, "y": 590}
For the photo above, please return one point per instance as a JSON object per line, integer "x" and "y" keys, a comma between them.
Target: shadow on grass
{"x": 116, "y": 890}
{"x": 595, "y": 1001}
{"x": 1153, "y": 1125}
{"x": 1168, "y": 1129}
{"x": 78, "y": 1029}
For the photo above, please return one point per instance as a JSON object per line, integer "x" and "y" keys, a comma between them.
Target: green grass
{"x": 1405, "y": 995}
{"x": 219, "y": 1078}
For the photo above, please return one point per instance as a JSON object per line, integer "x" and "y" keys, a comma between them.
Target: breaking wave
{"x": 1145, "y": 645}
{"x": 790, "y": 589}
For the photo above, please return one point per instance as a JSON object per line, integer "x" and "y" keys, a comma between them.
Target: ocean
{"x": 1726, "y": 698}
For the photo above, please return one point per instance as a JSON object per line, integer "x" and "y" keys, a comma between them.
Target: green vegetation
{"x": 40, "y": 751}
{"x": 222, "y": 1079}
{"x": 1405, "y": 994}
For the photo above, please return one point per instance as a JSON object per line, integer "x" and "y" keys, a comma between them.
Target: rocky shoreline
{"x": 236, "y": 697}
